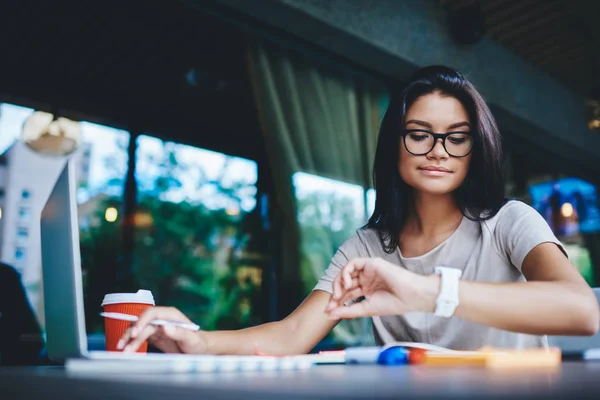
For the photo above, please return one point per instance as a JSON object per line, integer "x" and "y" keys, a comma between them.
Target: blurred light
{"x": 142, "y": 220}
{"x": 0, "y": 212}
{"x": 592, "y": 105}
{"x": 566, "y": 210}
{"x": 594, "y": 124}
{"x": 111, "y": 214}
{"x": 233, "y": 211}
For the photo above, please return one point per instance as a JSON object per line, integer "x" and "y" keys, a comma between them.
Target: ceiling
{"x": 165, "y": 68}
{"x": 157, "y": 67}
{"x": 560, "y": 36}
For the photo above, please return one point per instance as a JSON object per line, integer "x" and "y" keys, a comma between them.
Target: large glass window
{"x": 101, "y": 167}
{"x": 198, "y": 244}
{"x": 12, "y": 118}
{"x": 194, "y": 231}
{"x": 329, "y": 212}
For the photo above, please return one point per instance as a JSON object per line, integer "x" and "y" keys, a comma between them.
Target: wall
{"x": 393, "y": 38}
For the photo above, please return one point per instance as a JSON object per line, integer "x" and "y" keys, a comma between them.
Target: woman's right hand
{"x": 169, "y": 339}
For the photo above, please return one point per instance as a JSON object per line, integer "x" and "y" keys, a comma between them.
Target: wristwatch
{"x": 447, "y": 299}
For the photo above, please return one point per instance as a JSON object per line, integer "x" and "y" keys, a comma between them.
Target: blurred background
{"x": 224, "y": 147}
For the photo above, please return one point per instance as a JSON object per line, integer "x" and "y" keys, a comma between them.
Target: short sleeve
{"x": 352, "y": 248}
{"x": 519, "y": 229}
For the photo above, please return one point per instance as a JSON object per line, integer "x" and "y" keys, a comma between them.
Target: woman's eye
{"x": 456, "y": 140}
{"x": 418, "y": 138}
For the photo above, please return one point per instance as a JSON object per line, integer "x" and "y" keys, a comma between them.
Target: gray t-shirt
{"x": 487, "y": 251}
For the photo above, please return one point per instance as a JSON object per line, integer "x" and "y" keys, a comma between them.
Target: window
{"x": 20, "y": 254}
{"x": 102, "y": 162}
{"x": 101, "y": 165}
{"x": 197, "y": 244}
{"x": 12, "y": 118}
{"x": 570, "y": 206}
{"x": 370, "y": 202}
{"x": 329, "y": 212}
{"x": 103, "y": 154}
{"x": 24, "y": 214}
{"x": 22, "y": 232}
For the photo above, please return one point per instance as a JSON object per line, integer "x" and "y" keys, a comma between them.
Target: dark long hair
{"x": 482, "y": 193}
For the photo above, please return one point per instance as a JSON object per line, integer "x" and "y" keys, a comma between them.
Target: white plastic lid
{"x": 142, "y": 296}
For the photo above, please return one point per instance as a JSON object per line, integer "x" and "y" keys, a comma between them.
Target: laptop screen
{"x": 61, "y": 270}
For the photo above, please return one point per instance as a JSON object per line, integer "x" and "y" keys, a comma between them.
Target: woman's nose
{"x": 438, "y": 150}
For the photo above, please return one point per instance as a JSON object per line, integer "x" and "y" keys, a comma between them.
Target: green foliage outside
{"x": 326, "y": 220}
{"x": 207, "y": 262}
{"x": 191, "y": 258}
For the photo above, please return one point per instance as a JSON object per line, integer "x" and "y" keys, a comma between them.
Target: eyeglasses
{"x": 420, "y": 142}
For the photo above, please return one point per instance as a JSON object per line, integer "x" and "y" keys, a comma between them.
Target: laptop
{"x": 66, "y": 337}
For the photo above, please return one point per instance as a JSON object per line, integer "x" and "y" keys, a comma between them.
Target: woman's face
{"x": 436, "y": 172}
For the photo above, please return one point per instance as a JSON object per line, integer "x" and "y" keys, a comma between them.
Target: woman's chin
{"x": 434, "y": 188}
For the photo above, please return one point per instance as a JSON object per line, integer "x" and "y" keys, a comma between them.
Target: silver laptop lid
{"x": 61, "y": 268}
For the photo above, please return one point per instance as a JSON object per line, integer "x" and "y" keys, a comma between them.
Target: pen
{"x": 158, "y": 322}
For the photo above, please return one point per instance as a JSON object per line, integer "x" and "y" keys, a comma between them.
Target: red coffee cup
{"x": 126, "y": 303}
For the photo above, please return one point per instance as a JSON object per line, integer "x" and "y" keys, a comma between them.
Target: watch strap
{"x": 447, "y": 299}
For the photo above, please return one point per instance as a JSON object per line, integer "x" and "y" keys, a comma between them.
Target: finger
{"x": 347, "y": 295}
{"x": 348, "y": 281}
{"x": 344, "y": 278}
{"x": 354, "y": 267}
{"x": 141, "y": 337}
{"x": 125, "y": 338}
{"x": 357, "y": 264}
{"x": 152, "y": 313}
{"x": 356, "y": 310}
{"x": 175, "y": 333}
{"x": 351, "y": 295}
{"x": 349, "y": 271}
{"x": 337, "y": 287}
{"x": 164, "y": 341}
{"x": 333, "y": 303}
{"x": 147, "y": 316}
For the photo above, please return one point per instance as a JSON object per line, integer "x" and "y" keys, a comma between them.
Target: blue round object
{"x": 393, "y": 356}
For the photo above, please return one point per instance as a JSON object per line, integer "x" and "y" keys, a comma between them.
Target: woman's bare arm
{"x": 296, "y": 334}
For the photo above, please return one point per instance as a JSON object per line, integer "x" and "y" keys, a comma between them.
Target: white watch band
{"x": 447, "y": 299}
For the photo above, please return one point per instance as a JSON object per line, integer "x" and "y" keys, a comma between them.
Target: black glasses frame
{"x": 436, "y": 136}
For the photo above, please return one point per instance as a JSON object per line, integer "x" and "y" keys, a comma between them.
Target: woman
{"x": 505, "y": 281}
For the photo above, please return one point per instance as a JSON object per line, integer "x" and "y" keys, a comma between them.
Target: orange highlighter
{"x": 498, "y": 359}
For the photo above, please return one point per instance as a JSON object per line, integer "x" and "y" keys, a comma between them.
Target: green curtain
{"x": 316, "y": 119}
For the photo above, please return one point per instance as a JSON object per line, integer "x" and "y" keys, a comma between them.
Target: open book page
{"x": 425, "y": 346}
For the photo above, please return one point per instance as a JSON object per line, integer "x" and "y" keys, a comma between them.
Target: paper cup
{"x": 126, "y": 303}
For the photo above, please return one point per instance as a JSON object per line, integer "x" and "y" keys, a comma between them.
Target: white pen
{"x": 160, "y": 322}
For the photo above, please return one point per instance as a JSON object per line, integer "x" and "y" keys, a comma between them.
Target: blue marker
{"x": 394, "y": 355}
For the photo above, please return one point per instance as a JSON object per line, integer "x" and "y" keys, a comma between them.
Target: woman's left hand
{"x": 388, "y": 290}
